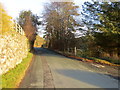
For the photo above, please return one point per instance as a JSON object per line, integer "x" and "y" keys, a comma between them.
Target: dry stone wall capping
{"x": 13, "y": 49}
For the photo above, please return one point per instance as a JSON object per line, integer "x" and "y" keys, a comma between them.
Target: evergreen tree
{"x": 103, "y": 20}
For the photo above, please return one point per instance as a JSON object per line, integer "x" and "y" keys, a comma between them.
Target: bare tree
{"x": 59, "y": 17}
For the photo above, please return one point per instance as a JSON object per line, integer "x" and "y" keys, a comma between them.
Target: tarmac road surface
{"x": 51, "y": 70}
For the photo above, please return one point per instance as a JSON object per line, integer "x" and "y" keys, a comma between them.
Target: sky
{"x": 13, "y": 7}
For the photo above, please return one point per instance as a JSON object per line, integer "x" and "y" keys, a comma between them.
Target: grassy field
{"x": 12, "y": 78}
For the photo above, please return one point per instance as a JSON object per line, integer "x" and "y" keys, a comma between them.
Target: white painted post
{"x": 75, "y": 50}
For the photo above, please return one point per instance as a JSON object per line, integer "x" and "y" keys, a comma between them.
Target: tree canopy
{"x": 29, "y": 22}
{"x": 60, "y": 23}
{"x": 103, "y": 23}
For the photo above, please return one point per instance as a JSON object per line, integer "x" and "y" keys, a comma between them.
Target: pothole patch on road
{"x": 35, "y": 84}
{"x": 48, "y": 78}
{"x": 99, "y": 66}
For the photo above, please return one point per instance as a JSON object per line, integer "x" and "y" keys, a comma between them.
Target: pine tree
{"x": 103, "y": 20}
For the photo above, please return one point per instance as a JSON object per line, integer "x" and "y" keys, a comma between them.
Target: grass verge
{"x": 91, "y": 59}
{"x": 12, "y": 78}
{"x": 108, "y": 62}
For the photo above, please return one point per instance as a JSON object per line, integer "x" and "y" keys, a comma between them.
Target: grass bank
{"x": 110, "y": 62}
{"x": 103, "y": 60}
{"x": 12, "y": 78}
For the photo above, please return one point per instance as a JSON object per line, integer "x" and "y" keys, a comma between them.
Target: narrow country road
{"x": 51, "y": 70}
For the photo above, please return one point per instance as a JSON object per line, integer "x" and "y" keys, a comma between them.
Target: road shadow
{"x": 92, "y": 78}
{"x": 44, "y": 51}
{"x": 51, "y": 53}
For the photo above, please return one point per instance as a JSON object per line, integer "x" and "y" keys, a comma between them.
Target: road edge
{"x": 26, "y": 71}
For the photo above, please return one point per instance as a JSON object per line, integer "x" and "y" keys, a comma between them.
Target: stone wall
{"x": 13, "y": 48}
